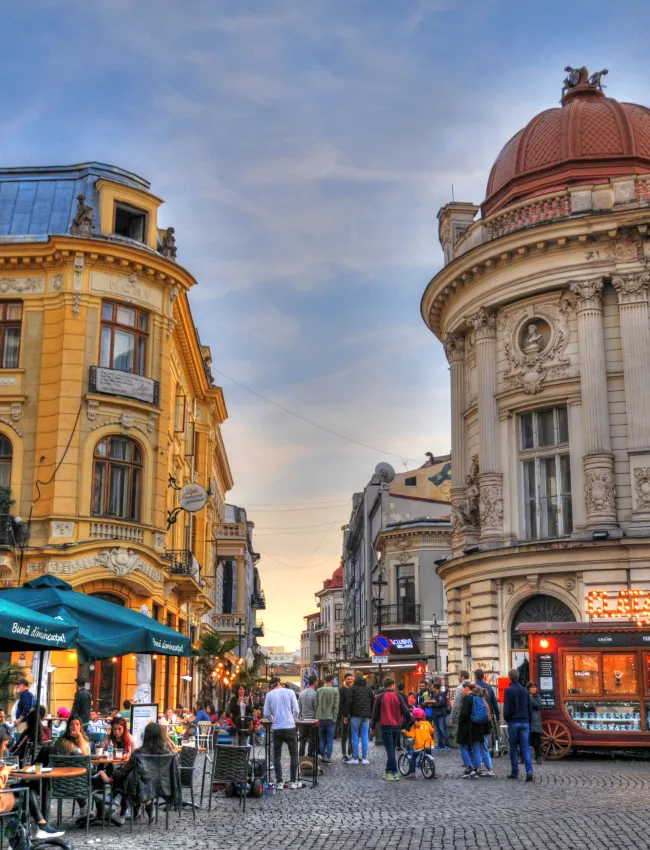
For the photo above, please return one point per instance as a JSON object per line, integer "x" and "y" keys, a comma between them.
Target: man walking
{"x": 82, "y": 701}
{"x": 439, "y": 715}
{"x": 281, "y": 708}
{"x": 307, "y": 704}
{"x": 26, "y": 701}
{"x": 518, "y": 714}
{"x": 327, "y": 710}
{"x": 457, "y": 699}
{"x": 345, "y": 701}
{"x": 389, "y": 712}
{"x": 360, "y": 713}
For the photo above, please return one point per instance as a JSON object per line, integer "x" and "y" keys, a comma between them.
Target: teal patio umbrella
{"x": 24, "y": 629}
{"x": 105, "y": 629}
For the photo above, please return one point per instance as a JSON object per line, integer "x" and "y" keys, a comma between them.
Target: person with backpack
{"x": 360, "y": 713}
{"x": 482, "y": 716}
{"x": 469, "y": 731}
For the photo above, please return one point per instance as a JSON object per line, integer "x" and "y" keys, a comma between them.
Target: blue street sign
{"x": 380, "y": 645}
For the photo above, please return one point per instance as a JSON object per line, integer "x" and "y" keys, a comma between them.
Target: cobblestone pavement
{"x": 573, "y": 804}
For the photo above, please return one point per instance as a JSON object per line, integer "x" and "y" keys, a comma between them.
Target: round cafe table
{"x": 54, "y": 773}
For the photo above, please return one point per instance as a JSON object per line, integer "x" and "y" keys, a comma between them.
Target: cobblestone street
{"x": 573, "y": 804}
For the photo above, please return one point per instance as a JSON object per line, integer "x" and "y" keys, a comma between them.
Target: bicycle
{"x": 425, "y": 760}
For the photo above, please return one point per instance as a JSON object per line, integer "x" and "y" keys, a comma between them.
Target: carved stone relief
{"x": 21, "y": 285}
{"x": 92, "y": 407}
{"x": 119, "y": 561}
{"x": 56, "y": 283}
{"x": 600, "y": 491}
{"x": 491, "y": 506}
{"x": 16, "y": 410}
{"x": 466, "y": 511}
{"x": 631, "y": 288}
{"x": 642, "y": 486}
{"x": 61, "y": 529}
{"x": 535, "y": 340}
{"x": 626, "y": 248}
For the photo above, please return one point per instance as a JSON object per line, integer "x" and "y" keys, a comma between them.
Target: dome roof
{"x": 589, "y": 138}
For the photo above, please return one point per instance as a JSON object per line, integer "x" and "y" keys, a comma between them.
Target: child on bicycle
{"x": 422, "y": 734}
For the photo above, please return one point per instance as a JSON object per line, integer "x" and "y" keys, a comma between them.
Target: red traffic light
{"x": 420, "y": 669}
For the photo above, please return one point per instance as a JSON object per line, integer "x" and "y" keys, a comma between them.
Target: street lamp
{"x": 379, "y": 583}
{"x": 435, "y": 634}
{"x": 240, "y": 623}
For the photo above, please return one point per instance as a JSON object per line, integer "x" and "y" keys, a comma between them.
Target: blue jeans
{"x": 359, "y": 726}
{"x": 440, "y": 724}
{"x": 390, "y": 736}
{"x": 326, "y": 735}
{"x": 518, "y": 736}
{"x": 480, "y": 754}
{"x": 466, "y": 755}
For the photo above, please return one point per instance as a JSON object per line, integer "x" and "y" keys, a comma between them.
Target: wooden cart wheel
{"x": 556, "y": 739}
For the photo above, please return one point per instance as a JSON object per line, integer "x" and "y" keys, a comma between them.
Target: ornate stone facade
{"x": 545, "y": 322}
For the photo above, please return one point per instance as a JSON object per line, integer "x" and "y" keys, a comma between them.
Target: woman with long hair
{"x": 73, "y": 742}
{"x": 240, "y": 706}
{"x": 119, "y": 736}
{"x": 154, "y": 743}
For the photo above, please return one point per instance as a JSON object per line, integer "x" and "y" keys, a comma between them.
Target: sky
{"x": 303, "y": 149}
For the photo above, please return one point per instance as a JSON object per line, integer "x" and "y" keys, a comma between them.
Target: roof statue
{"x": 82, "y": 224}
{"x": 579, "y": 78}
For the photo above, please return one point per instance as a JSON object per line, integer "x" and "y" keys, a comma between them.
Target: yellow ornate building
{"x": 107, "y": 405}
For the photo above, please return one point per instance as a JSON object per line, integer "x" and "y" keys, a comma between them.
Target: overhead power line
{"x": 299, "y": 527}
{"x": 293, "y": 510}
{"x": 311, "y": 421}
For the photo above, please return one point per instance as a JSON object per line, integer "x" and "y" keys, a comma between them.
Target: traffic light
{"x": 420, "y": 669}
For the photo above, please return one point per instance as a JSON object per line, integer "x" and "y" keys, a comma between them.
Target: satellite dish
{"x": 385, "y": 472}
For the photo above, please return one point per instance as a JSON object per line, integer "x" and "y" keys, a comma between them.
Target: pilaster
{"x": 598, "y": 461}
{"x": 632, "y": 290}
{"x": 463, "y": 534}
{"x": 491, "y": 477}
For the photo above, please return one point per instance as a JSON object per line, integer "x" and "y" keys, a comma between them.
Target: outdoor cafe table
{"x": 54, "y": 773}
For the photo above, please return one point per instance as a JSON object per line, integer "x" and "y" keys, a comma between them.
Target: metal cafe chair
{"x": 230, "y": 767}
{"x": 73, "y": 788}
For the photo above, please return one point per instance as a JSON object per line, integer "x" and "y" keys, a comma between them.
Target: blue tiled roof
{"x": 42, "y": 200}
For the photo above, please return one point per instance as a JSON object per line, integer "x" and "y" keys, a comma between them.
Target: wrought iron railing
{"x": 181, "y": 561}
{"x": 404, "y": 613}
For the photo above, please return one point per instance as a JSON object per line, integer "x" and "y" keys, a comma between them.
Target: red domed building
{"x": 542, "y": 307}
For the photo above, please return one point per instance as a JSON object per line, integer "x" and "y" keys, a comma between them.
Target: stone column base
{"x": 600, "y": 490}
{"x": 491, "y": 505}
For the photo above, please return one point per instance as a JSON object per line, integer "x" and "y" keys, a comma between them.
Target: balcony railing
{"x": 258, "y": 631}
{"x": 115, "y": 531}
{"x": 181, "y": 562}
{"x": 224, "y": 622}
{"x": 402, "y": 614}
{"x": 318, "y": 657}
{"x": 258, "y": 600}
{"x": 230, "y": 529}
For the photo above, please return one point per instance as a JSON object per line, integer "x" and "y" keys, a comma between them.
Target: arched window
{"x": 539, "y": 609}
{"x": 117, "y": 478}
{"x": 6, "y": 454}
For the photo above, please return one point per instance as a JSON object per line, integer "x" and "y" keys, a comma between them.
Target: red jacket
{"x": 390, "y": 710}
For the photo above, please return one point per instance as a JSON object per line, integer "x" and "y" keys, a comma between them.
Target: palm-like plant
{"x": 208, "y": 651}
{"x": 247, "y": 676}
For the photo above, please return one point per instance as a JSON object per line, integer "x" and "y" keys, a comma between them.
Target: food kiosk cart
{"x": 594, "y": 684}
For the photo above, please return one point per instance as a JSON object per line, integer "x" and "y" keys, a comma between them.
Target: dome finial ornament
{"x": 578, "y": 81}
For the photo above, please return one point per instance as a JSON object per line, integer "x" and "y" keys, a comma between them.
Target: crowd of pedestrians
{"x": 434, "y": 718}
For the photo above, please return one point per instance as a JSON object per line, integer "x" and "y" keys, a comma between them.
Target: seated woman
{"x": 8, "y": 803}
{"x": 35, "y": 733}
{"x": 119, "y": 737}
{"x": 59, "y": 725}
{"x": 172, "y": 717}
{"x": 154, "y": 743}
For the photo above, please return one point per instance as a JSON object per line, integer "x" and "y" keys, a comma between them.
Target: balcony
{"x": 230, "y": 529}
{"x": 318, "y": 657}
{"x": 224, "y": 622}
{"x": 258, "y": 631}
{"x": 402, "y": 614}
{"x": 258, "y": 601}
{"x": 116, "y": 531}
{"x": 181, "y": 562}
{"x": 320, "y": 626}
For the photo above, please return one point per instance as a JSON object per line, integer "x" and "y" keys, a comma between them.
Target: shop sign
{"x": 546, "y": 675}
{"x": 402, "y": 642}
{"x": 606, "y": 639}
{"x": 619, "y": 605}
{"x": 380, "y": 659}
{"x": 192, "y": 497}
{"x": 125, "y": 384}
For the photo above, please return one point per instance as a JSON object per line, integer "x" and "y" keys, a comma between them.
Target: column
{"x": 491, "y": 475}
{"x": 598, "y": 460}
{"x": 632, "y": 290}
{"x": 465, "y": 532}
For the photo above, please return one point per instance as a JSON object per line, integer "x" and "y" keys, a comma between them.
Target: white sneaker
{"x": 352, "y": 761}
{"x": 294, "y": 786}
{"x": 46, "y": 831}
{"x": 364, "y": 761}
